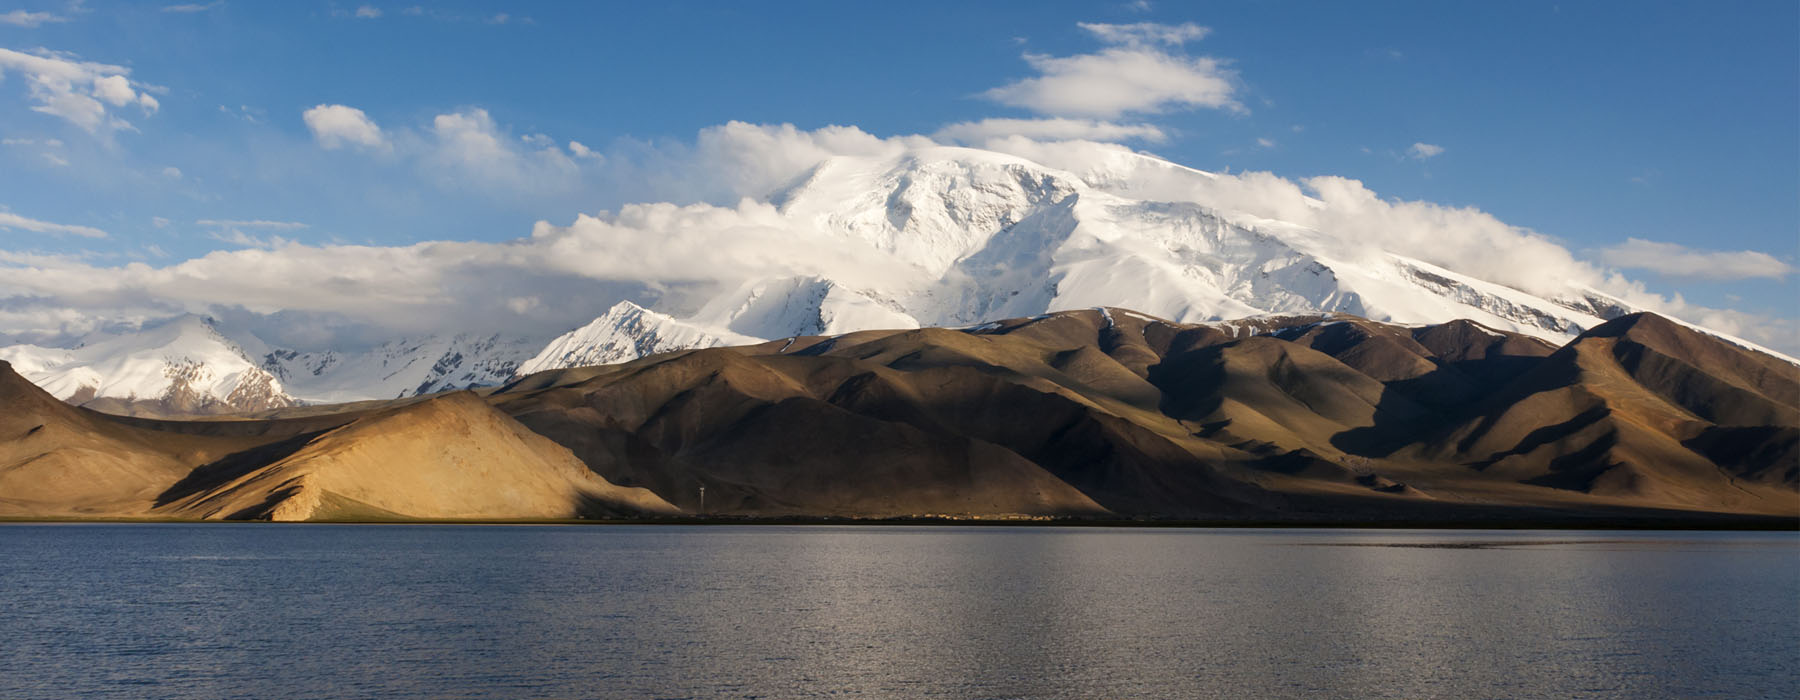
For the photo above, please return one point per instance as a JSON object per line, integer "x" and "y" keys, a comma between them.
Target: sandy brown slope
{"x": 445, "y": 457}
{"x": 59, "y": 460}
{"x": 449, "y": 457}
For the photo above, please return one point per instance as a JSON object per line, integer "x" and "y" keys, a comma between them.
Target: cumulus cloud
{"x": 1141, "y": 72}
{"x": 1422, "y": 151}
{"x": 78, "y": 92}
{"x": 1049, "y": 129}
{"x": 21, "y": 18}
{"x": 1676, "y": 260}
{"x": 9, "y": 220}
{"x": 335, "y": 126}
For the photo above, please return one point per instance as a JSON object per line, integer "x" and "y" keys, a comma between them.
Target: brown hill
{"x": 448, "y": 457}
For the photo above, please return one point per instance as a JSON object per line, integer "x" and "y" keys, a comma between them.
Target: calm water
{"x": 444, "y": 611}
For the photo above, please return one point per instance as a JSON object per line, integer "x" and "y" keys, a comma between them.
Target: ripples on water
{"x": 641, "y": 611}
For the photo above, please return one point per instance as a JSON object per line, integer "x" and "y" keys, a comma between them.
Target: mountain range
{"x": 927, "y": 236}
{"x": 1103, "y": 413}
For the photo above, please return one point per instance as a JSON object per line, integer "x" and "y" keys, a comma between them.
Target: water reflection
{"x": 222, "y": 610}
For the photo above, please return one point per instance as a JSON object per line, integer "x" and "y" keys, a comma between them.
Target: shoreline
{"x": 1720, "y": 523}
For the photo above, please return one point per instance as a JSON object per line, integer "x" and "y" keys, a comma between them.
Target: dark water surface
{"x": 650, "y": 611}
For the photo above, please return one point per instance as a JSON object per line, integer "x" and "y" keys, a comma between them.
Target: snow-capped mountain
{"x": 190, "y": 365}
{"x": 400, "y": 368}
{"x": 183, "y": 365}
{"x": 922, "y": 236}
{"x": 626, "y": 332}
{"x": 964, "y": 235}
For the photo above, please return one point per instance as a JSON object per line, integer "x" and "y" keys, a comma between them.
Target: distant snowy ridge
{"x": 626, "y": 332}
{"x": 400, "y": 368}
{"x": 183, "y": 365}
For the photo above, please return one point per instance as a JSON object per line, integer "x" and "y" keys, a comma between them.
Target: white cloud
{"x": 189, "y": 8}
{"x": 470, "y": 146}
{"x": 172, "y": 172}
{"x": 581, "y": 151}
{"x": 115, "y": 90}
{"x": 77, "y": 91}
{"x": 1052, "y": 129}
{"x": 160, "y": 222}
{"x": 1266, "y": 142}
{"x": 1421, "y": 151}
{"x": 9, "y": 220}
{"x": 466, "y": 150}
{"x": 1134, "y": 75}
{"x": 1142, "y": 33}
{"x": 368, "y": 12}
{"x": 21, "y": 18}
{"x": 1676, "y": 260}
{"x": 333, "y": 126}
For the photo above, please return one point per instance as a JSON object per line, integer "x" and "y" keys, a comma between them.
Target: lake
{"x": 259, "y": 610}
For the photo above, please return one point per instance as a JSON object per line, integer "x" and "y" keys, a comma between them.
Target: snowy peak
{"x": 183, "y": 365}
{"x": 929, "y": 209}
{"x": 626, "y": 332}
{"x": 786, "y": 307}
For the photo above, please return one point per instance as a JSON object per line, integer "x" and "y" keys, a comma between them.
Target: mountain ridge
{"x": 1103, "y": 414}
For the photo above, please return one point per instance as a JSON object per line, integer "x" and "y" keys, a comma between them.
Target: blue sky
{"x": 1594, "y": 123}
